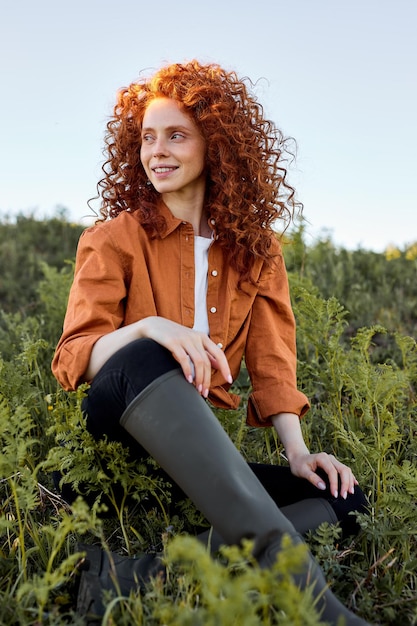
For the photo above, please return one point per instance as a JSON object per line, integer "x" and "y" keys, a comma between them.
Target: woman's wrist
{"x": 289, "y": 431}
{"x": 294, "y": 452}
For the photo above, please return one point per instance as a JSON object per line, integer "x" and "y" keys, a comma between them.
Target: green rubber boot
{"x": 178, "y": 429}
{"x": 304, "y": 515}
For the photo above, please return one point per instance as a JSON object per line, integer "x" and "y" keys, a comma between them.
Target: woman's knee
{"x": 144, "y": 359}
{"x": 136, "y": 365}
{"x": 128, "y": 372}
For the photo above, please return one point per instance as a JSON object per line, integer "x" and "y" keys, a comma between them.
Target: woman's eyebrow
{"x": 168, "y": 128}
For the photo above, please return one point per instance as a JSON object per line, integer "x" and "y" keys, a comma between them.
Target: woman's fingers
{"x": 218, "y": 361}
{"x": 343, "y": 475}
{"x": 341, "y": 479}
{"x": 202, "y": 368}
{"x": 205, "y": 356}
{"x": 337, "y": 473}
{"x": 324, "y": 461}
{"x": 196, "y": 353}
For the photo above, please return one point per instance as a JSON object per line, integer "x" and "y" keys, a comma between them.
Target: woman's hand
{"x": 304, "y": 465}
{"x": 195, "y": 351}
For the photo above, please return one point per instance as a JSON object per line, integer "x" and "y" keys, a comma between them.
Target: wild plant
{"x": 363, "y": 409}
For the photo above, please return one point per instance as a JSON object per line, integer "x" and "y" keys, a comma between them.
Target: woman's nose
{"x": 159, "y": 148}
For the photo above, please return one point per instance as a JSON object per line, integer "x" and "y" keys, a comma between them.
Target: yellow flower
{"x": 411, "y": 252}
{"x": 391, "y": 253}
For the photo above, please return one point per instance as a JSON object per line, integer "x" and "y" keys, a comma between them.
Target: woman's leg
{"x": 132, "y": 369}
{"x": 166, "y": 416}
{"x": 286, "y": 490}
{"x": 176, "y": 426}
{"x": 128, "y": 372}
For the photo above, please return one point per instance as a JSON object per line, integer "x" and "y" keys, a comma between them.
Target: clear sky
{"x": 340, "y": 76}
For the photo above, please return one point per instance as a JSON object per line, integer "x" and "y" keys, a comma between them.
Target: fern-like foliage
{"x": 361, "y": 379}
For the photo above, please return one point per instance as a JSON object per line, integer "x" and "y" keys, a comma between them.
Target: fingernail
{"x": 321, "y": 486}
{"x": 336, "y": 495}
{"x": 200, "y": 388}
{"x": 229, "y": 379}
{"x": 206, "y": 393}
{"x": 190, "y": 378}
{"x": 345, "y": 495}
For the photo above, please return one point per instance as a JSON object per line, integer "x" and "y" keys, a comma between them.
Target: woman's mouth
{"x": 161, "y": 170}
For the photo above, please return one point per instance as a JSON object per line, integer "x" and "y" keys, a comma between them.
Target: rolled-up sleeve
{"x": 270, "y": 354}
{"x": 95, "y": 306}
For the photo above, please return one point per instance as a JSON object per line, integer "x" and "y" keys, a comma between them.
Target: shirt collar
{"x": 173, "y": 222}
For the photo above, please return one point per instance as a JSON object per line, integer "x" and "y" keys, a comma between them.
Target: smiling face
{"x": 173, "y": 150}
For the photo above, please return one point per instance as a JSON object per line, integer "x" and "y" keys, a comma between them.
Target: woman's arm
{"x": 95, "y": 325}
{"x": 304, "y": 464}
{"x": 270, "y": 354}
{"x": 195, "y": 351}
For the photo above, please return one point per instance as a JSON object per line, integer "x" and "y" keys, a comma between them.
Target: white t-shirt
{"x": 201, "y": 248}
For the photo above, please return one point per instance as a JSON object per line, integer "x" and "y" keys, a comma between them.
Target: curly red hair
{"x": 247, "y": 190}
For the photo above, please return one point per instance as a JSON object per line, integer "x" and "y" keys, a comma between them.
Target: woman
{"x": 181, "y": 278}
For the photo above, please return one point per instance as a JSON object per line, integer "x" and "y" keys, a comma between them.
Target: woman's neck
{"x": 189, "y": 210}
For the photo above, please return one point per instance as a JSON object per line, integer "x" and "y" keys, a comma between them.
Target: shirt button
{"x": 220, "y": 345}
{"x": 214, "y": 272}
{"x": 213, "y": 309}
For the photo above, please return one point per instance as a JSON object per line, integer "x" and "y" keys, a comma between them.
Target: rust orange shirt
{"x": 122, "y": 276}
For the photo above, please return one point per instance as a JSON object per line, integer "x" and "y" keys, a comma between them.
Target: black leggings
{"x": 133, "y": 368}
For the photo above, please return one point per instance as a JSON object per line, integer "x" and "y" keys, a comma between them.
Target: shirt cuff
{"x": 262, "y": 405}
